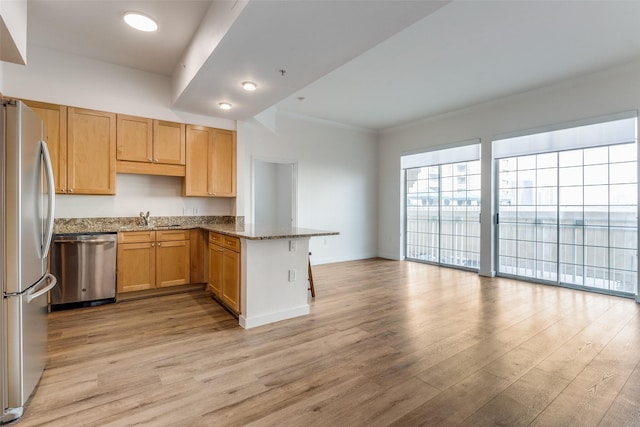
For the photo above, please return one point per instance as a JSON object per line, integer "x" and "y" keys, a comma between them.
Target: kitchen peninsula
{"x": 272, "y": 260}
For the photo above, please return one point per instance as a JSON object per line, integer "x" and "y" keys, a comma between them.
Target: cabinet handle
{"x": 155, "y": 160}
{"x": 153, "y": 244}
{"x": 149, "y": 159}
{"x": 159, "y": 244}
{"x": 71, "y": 190}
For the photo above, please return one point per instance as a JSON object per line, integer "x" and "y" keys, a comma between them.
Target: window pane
{"x": 622, "y": 173}
{"x": 623, "y": 153}
{"x": 527, "y": 178}
{"x": 547, "y": 177}
{"x": 596, "y": 195}
{"x": 624, "y": 194}
{"x": 547, "y": 160}
{"x": 571, "y": 176}
{"x": 598, "y": 155}
{"x": 526, "y": 162}
{"x": 570, "y": 158}
{"x": 571, "y": 196}
{"x": 597, "y": 174}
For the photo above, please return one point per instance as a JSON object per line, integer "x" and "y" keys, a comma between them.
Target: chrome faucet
{"x": 145, "y": 217}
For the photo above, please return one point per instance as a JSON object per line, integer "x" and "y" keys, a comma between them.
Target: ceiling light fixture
{"x": 224, "y": 106}
{"x": 249, "y": 86}
{"x": 140, "y": 21}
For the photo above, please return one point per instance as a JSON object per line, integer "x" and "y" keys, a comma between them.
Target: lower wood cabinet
{"x": 224, "y": 270}
{"x": 153, "y": 259}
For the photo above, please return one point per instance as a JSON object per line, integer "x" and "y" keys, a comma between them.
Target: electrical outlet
{"x": 292, "y": 275}
{"x": 293, "y": 246}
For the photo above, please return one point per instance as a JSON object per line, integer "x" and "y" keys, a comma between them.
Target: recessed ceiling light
{"x": 249, "y": 86}
{"x": 224, "y": 105}
{"x": 140, "y": 21}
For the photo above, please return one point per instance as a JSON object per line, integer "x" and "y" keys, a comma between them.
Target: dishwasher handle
{"x": 92, "y": 241}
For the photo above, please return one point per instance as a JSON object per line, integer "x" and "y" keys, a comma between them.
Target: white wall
{"x": 62, "y": 78}
{"x": 336, "y": 179}
{"x": 600, "y": 94}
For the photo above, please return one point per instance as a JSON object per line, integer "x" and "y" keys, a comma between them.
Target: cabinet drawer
{"x": 169, "y": 235}
{"x": 215, "y": 238}
{"x": 136, "y": 236}
{"x": 232, "y": 243}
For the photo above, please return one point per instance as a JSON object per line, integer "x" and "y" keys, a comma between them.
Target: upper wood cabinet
{"x": 147, "y": 146}
{"x": 91, "y": 152}
{"x": 82, "y": 144}
{"x": 55, "y": 135}
{"x": 211, "y": 162}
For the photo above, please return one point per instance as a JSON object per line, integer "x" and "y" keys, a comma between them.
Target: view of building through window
{"x": 443, "y": 214}
{"x": 570, "y": 217}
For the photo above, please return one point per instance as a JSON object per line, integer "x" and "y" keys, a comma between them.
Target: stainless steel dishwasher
{"x": 85, "y": 265}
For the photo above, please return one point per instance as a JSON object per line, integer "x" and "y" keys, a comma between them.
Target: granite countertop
{"x": 266, "y": 232}
{"x": 231, "y": 226}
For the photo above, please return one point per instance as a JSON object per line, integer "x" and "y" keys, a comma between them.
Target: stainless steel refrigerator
{"x": 26, "y": 227}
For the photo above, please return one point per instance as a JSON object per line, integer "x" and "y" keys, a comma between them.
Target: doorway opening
{"x": 274, "y": 192}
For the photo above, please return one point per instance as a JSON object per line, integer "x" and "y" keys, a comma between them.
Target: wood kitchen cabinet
{"x": 136, "y": 262}
{"x": 215, "y": 269}
{"x": 82, "y": 144}
{"x": 211, "y": 162}
{"x": 91, "y": 152}
{"x": 152, "y": 147}
{"x": 55, "y": 135}
{"x": 173, "y": 254}
{"x": 224, "y": 269}
{"x": 153, "y": 259}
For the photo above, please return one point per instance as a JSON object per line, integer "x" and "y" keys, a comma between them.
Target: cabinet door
{"x": 173, "y": 263}
{"x": 231, "y": 280}
{"x": 223, "y": 164}
{"x": 215, "y": 269}
{"x": 134, "y": 139}
{"x": 136, "y": 266}
{"x": 169, "y": 143}
{"x": 91, "y": 152}
{"x": 196, "y": 181}
{"x": 55, "y": 135}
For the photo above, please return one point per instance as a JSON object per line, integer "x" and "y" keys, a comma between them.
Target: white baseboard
{"x": 264, "y": 319}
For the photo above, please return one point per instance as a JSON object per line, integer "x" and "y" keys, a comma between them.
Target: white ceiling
{"x": 374, "y": 64}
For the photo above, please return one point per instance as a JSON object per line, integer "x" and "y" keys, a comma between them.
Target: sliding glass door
{"x": 570, "y": 216}
{"x": 443, "y": 214}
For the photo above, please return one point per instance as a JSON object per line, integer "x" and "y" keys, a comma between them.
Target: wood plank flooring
{"x": 386, "y": 343}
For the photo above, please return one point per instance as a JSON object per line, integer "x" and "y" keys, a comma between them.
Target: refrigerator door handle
{"x": 33, "y": 294}
{"x": 51, "y": 198}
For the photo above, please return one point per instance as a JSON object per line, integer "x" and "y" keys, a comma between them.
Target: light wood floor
{"x": 387, "y": 343}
